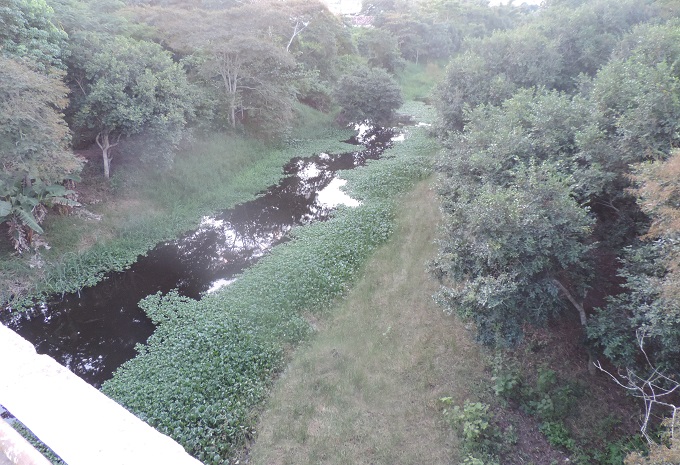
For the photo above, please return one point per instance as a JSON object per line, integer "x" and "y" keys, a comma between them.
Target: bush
{"x": 368, "y": 94}
{"x": 480, "y": 437}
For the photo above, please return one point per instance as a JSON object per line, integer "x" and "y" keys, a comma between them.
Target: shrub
{"x": 480, "y": 437}
{"x": 368, "y": 94}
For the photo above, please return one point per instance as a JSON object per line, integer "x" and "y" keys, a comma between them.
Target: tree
{"x": 510, "y": 254}
{"x": 368, "y": 94}
{"x": 532, "y": 125}
{"x": 242, "y": 52}
{"x": 650, "y": 307}
{"x": 586, "y": 34}
{"x": 551, "y": 52}
{"x": 638, "y": 108}
{"x": 380, "y": 49}
{"x": 26, "y": 31}
{"x": 134, "y": 87}
{"x": 34, "y": 139}
{"x": 322, "y": 41}
{"x": 468, "y": 83}
{"x": 251, "y": 71}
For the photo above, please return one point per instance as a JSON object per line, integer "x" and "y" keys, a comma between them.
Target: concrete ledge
{"x": 78, "y": 422}
{"x": 15, "y": 450}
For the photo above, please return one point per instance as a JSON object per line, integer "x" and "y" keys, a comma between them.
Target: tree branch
{"x": 649, "y": 389}
{"x": 297, "y": 30}
{"x": 574, "y": 302}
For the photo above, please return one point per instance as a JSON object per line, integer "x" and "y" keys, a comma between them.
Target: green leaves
{"x": 503, "y": 247}
{"x": 27, "y": 32}
{"x": 368, "y": 94}
{"x": 34, "y": 138}
{"x": 24, "y": 207}
{"x": 133, "y": 87}
{"x": 480, "y": 435}
{"x": 5, "y": 209}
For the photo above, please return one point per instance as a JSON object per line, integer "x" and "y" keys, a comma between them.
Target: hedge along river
{"x": 94, "y": 331}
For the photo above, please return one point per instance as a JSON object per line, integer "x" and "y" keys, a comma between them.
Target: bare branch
{"x": 297, "y": 29}
{"x": 650, "y": 389}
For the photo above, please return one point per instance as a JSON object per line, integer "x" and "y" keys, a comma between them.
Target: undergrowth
{"x": 209, "y": 362}
{"x": 482, "y": 439}
{"x": 553, "y": 402}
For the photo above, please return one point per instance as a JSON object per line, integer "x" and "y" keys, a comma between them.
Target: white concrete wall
{"x": 78, "y": 422}
{"x": 15, "y": 450}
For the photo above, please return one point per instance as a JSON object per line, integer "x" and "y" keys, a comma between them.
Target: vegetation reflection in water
{"x": 96, "y": 330}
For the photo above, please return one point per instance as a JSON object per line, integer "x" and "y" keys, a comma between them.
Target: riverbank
{"x": 366, "y": 389}
{"x": 207, "y": 368}
{"x": 140, "y": 206}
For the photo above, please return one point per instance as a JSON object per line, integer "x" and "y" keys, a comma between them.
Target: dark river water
{"x": 94, "y": 331}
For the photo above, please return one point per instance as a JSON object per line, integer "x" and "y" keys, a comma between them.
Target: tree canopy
{"x": 134, "y": 87}
{"x": 27, "y": 31}
{"x": 34, "y": 138}
{"x": 368, "y": 94}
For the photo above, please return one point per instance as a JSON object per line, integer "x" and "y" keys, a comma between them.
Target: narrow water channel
{"x": 94, "y": 331}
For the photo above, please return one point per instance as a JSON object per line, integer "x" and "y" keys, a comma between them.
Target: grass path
{"x": 365, "y": 389}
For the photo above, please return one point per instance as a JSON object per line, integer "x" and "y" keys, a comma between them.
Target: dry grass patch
{"x": 366, "y": 389}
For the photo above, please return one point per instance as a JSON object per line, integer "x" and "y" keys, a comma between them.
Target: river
{"x": 94, "y": 331}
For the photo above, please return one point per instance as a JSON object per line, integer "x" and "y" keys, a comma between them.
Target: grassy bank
{"x": 209, "y": 364}
{"x": 418, "y": 80}
{"x": 366, "y": 389}
{"x": 140, "y": 206}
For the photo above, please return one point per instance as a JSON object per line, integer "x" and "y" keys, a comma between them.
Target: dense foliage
{"x": 133, "y": 87}
{"x": 558, "y": 181}
{"x": 141, "y": 78}
{"x": 520, "y": 247}
{"x": 368, "y": 94}
{"x": 560, "y": 178}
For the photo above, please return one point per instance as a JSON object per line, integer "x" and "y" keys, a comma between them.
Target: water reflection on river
{"x": 94, "y": 331}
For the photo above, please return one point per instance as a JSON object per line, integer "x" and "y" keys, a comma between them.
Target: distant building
{"x": 343, "y": 7}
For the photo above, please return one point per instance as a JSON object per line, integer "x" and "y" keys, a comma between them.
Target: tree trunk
{"x": 574, "y": 302}
{"x": 104, "y": 143}
{"x": 582, "y": 315}
{"x": 232, "y": 114}
{"x": 296, "y": 30}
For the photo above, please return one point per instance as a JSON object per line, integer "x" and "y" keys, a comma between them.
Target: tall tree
{"x": 241, "y": 51}
{"x": 368, "y": 94}
{"x": 134, "y": 87}
{"x": 26, "y": 31}
{"x": 380, "y": 49}
{"x": 34, "y": 139}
